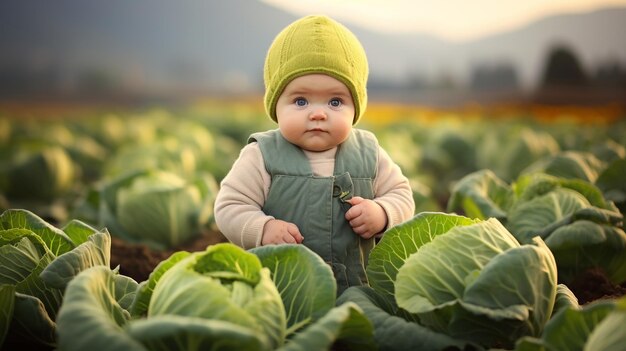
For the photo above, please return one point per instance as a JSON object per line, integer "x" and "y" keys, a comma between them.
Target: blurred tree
{"x": 96, "y": 81}
{"x": 610, "y": 74}
{"x": 19, "y": 79}
{"x": 563, "y": 69}
{"x": 494, "y": 77}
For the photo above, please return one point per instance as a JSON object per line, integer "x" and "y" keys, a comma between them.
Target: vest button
{"x": 336, "y": 190}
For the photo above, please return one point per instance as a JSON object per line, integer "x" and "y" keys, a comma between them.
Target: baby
{"x": 316, "y": 180}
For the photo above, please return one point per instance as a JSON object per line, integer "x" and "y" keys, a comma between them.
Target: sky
{"x": 455, "y": 20}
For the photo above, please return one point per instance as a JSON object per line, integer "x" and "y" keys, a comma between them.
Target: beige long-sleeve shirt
{"x": 239, "y": 203}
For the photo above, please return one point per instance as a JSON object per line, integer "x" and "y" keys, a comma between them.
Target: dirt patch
{"x": 593, "y": 284}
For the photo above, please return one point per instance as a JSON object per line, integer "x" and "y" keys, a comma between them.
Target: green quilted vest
{"x": 317, "y": 204}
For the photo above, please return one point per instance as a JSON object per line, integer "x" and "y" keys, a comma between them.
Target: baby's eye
{"x": 336, "y": 102}
{"x": 300, "y": 102}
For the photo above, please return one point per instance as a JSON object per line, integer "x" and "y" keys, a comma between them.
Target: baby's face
{"x": 315, "y": 112}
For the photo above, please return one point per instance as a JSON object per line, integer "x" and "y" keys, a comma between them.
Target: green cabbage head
{"x": 478, "y": 283}
{"x": 441, "y": 281}
{"x": 276, "y": 297}
{"x": 41, "y": 174}
{"x": 223, "y": 284}
{"x": 157, "y": 208}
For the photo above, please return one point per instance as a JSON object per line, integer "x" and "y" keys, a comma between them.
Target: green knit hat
{"x": 316, "y": 44}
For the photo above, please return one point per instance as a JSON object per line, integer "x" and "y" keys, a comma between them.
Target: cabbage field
{"x": 107, "y": 237}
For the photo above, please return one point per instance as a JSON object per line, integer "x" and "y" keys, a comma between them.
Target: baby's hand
{"x": 277, "y": 231}
{"x": 366, "y": 217}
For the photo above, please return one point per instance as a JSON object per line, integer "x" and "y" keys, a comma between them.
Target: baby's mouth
{"x": 316, "y": 130}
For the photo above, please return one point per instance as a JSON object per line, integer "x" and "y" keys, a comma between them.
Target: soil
{"x": 137, "y": 261}
{"x": 593, "y": 285}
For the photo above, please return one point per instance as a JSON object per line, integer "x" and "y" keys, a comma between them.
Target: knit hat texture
{"x": 316, "y": 44}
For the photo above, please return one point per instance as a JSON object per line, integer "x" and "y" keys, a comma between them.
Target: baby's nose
{"x": 318, "y": 113}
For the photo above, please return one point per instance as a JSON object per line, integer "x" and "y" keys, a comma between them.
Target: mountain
{"x": 192, "y": 46}
{"x": 151, "y": 45}
{"x": 595, "y": 36}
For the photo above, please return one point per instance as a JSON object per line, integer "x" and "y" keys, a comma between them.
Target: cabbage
{"x": 595, "y": 326}
{"x": 242, "y": 292}
{"x": 442, "y": 280}
{"x": 224, "y": 298}
{"x": 42, "y": 174}
{"x": 582, "y": 228}
{"x": 37, "y": 260}
{"x": 157, "y": 208}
